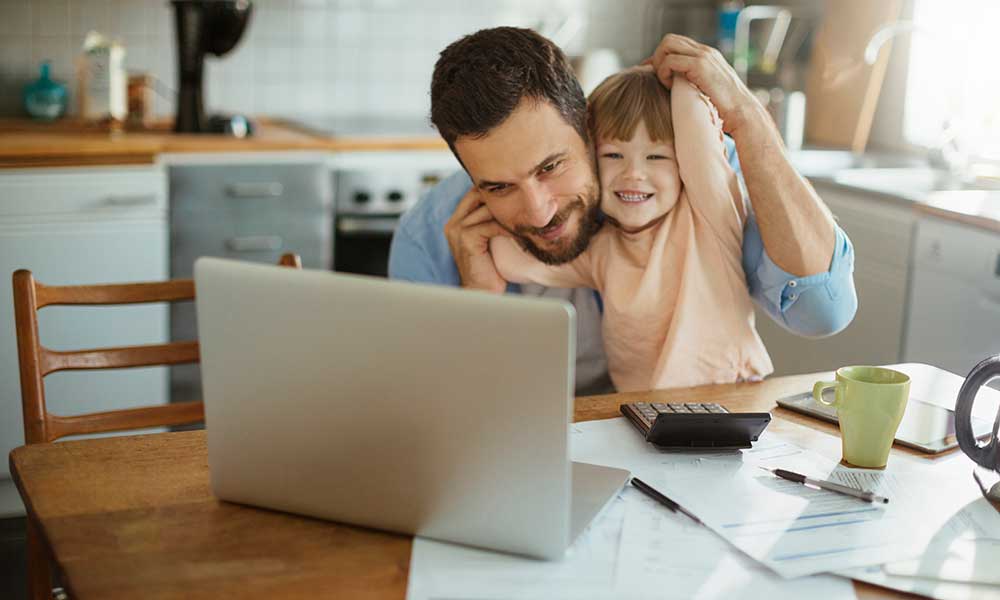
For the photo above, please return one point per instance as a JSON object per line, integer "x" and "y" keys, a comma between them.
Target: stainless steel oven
{"x": 369, "y": 203}
{"x": 372, "y": 188}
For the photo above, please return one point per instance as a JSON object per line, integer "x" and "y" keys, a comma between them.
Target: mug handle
{"x": 822, "y": 386}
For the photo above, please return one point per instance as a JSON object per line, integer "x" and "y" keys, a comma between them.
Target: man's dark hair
{"x": 480, "y": 79}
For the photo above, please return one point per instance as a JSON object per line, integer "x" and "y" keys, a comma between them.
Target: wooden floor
{"x": 13, "y": 558}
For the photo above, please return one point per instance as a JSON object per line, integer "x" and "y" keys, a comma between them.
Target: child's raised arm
{"x": 712, "y": 186}
{"x": 517, "y": 266}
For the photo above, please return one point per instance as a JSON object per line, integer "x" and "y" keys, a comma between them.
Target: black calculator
{"x": 695, "y": 425}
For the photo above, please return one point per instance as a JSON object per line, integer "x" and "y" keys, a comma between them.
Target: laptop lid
{"x": 411, "y": 408}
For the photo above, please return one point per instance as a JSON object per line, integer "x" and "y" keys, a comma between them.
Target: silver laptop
{"x": 418, "y": 409}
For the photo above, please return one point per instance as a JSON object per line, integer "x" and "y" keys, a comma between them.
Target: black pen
{"x": 645, "y": 488}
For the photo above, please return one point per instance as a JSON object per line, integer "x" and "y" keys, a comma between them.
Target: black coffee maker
{"x": 205, "y": 26}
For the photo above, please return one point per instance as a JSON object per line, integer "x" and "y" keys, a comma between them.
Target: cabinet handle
{"x": 267, "y": 189}
{"x": 136, "y": 200}
{"x": 255, "y": 243}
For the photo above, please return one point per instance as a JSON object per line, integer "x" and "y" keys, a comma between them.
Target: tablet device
{"x": 925, "y": 426}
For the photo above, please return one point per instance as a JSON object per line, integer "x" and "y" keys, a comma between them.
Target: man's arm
{"x": 796, "y": 228}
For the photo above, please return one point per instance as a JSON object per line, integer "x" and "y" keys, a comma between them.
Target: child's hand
{"x": 468, "y": 232}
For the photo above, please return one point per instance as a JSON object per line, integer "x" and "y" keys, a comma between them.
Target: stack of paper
{"x": 763, "y": 536}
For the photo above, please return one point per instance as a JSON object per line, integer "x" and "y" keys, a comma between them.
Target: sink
{"x": 909, "y": 181}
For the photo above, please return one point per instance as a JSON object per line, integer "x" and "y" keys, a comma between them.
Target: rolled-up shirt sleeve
{"x": 813, "y": 306}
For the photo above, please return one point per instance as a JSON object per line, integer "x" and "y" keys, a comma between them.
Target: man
{"x": 512, "y": 112}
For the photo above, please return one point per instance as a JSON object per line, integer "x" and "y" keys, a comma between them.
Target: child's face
{"x": 640, "y": 181}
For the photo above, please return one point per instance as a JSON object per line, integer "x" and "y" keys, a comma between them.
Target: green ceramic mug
{"x": 870, "y": 402}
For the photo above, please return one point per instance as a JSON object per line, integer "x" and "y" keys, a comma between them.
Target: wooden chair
{"x": 37, "y": 361}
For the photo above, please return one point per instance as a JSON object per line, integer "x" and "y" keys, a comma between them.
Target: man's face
{"x": 536, "y": 176}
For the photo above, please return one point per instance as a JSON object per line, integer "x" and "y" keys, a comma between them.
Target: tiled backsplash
{"x": 317, "y": 57}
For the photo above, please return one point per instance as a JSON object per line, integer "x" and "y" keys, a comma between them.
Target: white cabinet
{"x": 882, "y": 232}
{"x": 954, "y": 309}
{"x": 80, "y": 226}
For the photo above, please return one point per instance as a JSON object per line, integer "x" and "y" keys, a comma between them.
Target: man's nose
{"x": 539, "y": 205}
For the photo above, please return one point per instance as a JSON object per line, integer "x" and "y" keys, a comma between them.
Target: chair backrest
{"x": 37, "y": 361}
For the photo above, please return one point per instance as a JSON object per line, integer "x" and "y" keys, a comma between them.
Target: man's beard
{"x": 589, "y": 207}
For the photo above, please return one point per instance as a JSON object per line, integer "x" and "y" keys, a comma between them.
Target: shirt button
{"x": 791, "y": 296}
{"x": 792, "y": 283}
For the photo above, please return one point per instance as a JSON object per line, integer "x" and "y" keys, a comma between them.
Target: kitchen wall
{"x": 319, "y": 57}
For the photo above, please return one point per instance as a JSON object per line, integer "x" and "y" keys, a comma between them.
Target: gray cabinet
{"x": 882, "y": 233}
{"x": 245, "y": 211}
{"x": 954, "y": 308}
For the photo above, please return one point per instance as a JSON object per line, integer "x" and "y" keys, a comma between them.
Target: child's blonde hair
{"x": 616, "y": 106}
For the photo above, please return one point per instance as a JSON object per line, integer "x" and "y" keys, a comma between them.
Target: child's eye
{"x": 657, "y": 157}
{"x": 611, "y": 155}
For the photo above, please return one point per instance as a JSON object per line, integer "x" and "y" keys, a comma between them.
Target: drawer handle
{"x": 136, "y": 200}
{"x": 255, "y": 243}
{"x": 271, "y": 189}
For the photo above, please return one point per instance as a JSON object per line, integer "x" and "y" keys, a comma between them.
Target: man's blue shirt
{"x": 817, "y": 305}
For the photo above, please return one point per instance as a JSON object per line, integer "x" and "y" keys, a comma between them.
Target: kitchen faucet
{"x": 741, "y": 40}
{"x": 947, "y": 154}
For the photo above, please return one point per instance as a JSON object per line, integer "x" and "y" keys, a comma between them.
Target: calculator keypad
{"x": 650, "y": 410}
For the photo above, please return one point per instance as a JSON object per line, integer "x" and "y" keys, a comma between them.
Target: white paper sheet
{"x": 667, "y": 555}
{"x": 634, "y": 549}
{"x": 793, "y": 529}
{"x": 440, "y": 571}
{"x": 964, "y": 547}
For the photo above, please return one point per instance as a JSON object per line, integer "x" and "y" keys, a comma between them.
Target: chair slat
{"x": 182, "y": 413}
{"x": 119, "y": 293}
{"x": 116, "y": 358}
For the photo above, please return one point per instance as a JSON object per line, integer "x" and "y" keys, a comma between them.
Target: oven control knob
{"x": 362, "y": 197}
{"x": 394, "y": 196}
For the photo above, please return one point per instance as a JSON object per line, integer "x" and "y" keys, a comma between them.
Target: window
{"x": 953, "y": 76}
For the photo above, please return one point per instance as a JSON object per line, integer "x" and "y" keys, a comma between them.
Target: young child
{"x": 667, "y": 261}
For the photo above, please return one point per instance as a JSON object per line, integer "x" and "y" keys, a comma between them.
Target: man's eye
{"x": 611, "y": 155}
{"x": 551, "y": 166}
{"x": 500, "y": 187}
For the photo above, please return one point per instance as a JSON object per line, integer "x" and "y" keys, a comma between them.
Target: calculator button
{"x": 660, "y": 407}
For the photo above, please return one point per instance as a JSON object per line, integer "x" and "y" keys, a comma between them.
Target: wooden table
{"x": 134, "y": 516}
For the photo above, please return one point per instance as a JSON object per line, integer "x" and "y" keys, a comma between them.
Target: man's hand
{"x": 705, "y": 67}
{"x": 468, "y": 232}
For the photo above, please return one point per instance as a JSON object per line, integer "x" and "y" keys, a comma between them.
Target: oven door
{"x": 361, "y": 243}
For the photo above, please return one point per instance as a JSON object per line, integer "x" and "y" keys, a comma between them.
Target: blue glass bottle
{"x": 44, "y": 98}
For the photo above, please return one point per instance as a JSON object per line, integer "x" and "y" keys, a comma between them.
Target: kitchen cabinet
{"x": 255, "y": 210}
{"x": 954, "y": 308}
{"x": 81, "y": 226}
{"x": 882, "y": 233}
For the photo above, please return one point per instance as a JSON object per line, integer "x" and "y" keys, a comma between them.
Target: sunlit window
{"x": 954, "y": 78}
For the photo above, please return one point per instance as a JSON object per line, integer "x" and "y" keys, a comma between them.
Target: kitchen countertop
{"x": 68, "y": 142}
{"x": 976, "y": 207}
